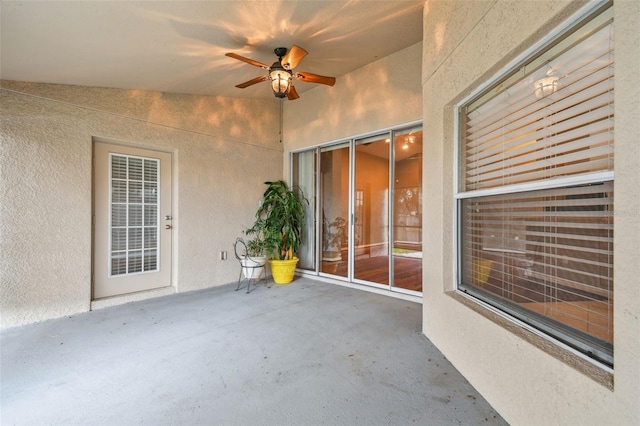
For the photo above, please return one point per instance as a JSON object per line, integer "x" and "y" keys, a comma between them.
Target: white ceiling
{"x": 179, "y": 46}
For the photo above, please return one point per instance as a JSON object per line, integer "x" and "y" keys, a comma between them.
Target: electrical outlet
{"x": 223, "y": 255}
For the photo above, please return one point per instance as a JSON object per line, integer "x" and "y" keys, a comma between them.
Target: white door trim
{"x": 102, "y": 218}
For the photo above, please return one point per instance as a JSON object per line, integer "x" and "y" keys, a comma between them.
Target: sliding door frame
{"x": 317, "y": 196}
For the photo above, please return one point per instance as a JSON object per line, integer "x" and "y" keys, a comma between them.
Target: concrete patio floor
{"x": 309, "y": 353}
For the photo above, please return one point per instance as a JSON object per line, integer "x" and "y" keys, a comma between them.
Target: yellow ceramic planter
{"x": 283, "y": 270}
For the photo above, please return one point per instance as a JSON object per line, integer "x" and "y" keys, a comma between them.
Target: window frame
{"x": 504, "y": 78}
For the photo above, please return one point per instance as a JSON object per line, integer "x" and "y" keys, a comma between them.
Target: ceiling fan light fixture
{"x": 280, "y": 80}
{"x": 545, "y": 87}
{"x": 281, "y": 73}
{"x": 408, "y": 141}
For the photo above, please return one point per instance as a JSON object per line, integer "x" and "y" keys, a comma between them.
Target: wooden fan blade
{"x": 292, "y": 94}
{"x": 247, "y": 60}
{"x": 293, "y": 57}
{"x": 252, "y": 82}
{"x": 307, "y": 77}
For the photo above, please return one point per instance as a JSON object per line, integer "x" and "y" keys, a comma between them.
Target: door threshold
{"x": 417, "y": 298}
{"x": 131, "y": 297}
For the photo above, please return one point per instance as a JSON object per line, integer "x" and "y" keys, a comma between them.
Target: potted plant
{"x": 254, "y": 258}
{"x": 260, "y": 243}
{"x": 334, "y": 237}
{"x": 282, "y": 210}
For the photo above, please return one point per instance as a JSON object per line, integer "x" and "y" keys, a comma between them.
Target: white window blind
{"x": 536, "y": 190}
{"x": 522, "y": 136}
{"x": 550, "y": 251}
{"x": 134, "y": 215}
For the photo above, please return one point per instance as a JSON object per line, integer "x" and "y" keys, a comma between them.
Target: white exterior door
{"x": 132, "y": 222}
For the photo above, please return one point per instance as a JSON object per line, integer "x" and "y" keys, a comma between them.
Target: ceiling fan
{"x": 281, "y": 73}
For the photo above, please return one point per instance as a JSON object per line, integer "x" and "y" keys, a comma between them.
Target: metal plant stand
{"x": 255, "y": 273}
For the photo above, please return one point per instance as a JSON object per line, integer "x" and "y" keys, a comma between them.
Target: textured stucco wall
{"x": 223, "y": 150}
{"x": 382, "y": 94}
{"x": 464, "y": 44}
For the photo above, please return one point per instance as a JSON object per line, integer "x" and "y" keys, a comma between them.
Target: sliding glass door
{"x": 334, "y": 209}
{"x": 407, "y": 209}
{"x": 371, "y": 209}
{"x": 303, "y": 165}
{"x": 366, "y": 226}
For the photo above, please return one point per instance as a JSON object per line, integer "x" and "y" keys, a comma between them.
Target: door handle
{"x": 167, "y": 226}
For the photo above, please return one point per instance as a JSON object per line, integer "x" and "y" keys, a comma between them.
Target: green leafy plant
{"x": 262, "y": 239}
{"x": 282, "y": 210}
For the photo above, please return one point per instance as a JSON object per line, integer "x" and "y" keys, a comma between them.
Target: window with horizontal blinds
{"x": 550, "y": 251}
{"x": 557, "y": 121}
{"x": 535, "y": 200}
{"x": 134, "y": 214}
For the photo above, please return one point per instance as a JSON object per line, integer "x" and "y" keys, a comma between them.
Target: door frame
{"x": 351, "y": 143}
{"x": 145, "y": 294}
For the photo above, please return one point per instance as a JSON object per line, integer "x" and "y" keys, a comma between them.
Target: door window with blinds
{"x": 134, "y": 214}
{"x": 535, "y": 189}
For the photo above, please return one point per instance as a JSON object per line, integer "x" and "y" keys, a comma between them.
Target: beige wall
{"x": 382, "y": 94}
{"x": 464, "y": 44}
{"x": 223, "y": 150}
